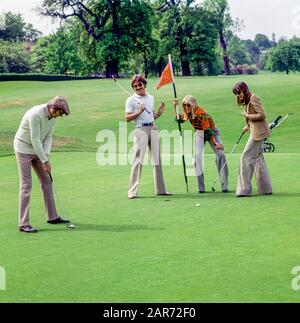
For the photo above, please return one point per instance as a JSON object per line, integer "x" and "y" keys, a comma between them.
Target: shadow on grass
{"x": 105, "y": 228}
{"x": 217, "y": 195}
{"x": 187, "y": 196}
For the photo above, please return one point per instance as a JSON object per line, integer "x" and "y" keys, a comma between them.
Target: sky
{"x": 281, "y": 17}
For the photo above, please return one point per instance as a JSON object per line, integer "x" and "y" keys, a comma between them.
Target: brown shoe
{"x": 28, "y": 229}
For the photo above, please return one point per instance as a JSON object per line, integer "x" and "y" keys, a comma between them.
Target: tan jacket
{"x": 256, "y": 119}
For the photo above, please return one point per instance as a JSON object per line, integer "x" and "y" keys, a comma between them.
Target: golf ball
{"x": 71, "y": 226}
{"x": 197, "y": 205}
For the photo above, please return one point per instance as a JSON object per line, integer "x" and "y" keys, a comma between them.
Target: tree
{"x": 285, "y": 57}
{"x": 13, "y": 58}
{"x": 31, "y": 34}
{"x": 16, "y": 29}
{"x": 175, "y": 30}
{"x": 274, "y": 42}
{"x": 57, "y": 53}
{"x": 237, "y": 51}
{"x": 187, "y": 31}
{"x": 262, "y": 41}
{"x": 107, "y": 22}
{"x": 225, "y": 25}
{"x": 253, "y": 50}
{"x": 202, "y": 41}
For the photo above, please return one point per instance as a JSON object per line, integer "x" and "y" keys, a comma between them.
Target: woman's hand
{"x": 245, "y": 114}
{"x": 219, "y": 146}
{"x": 246, "y": 129}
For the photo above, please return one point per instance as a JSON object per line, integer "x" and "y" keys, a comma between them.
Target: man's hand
{"x": 47, "y": 167}
{"x": 246, "y": 129}
{"x": 161, "y": 109}
{"x": 142, "y": 109}
{"x": 245, "y": 114}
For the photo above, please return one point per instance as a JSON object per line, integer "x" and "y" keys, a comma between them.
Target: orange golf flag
{"x": 166, "y": 77}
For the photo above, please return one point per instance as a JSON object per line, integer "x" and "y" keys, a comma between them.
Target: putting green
{"x": 152, "y": 249}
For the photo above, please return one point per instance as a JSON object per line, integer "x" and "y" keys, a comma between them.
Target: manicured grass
{"x": 152, "y": 249}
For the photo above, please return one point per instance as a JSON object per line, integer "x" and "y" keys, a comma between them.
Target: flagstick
{"x": 179, "y": 127}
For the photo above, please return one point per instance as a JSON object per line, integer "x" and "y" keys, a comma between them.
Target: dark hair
{"x": 138, "y": 78}
{"x": 239, "y": 88}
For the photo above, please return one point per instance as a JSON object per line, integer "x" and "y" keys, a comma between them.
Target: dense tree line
{"x": 121, "y": 37}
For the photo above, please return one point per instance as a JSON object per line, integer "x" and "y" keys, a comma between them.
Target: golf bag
{"x": 269, "y": 147}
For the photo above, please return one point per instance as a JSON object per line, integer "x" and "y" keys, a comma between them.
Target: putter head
{"x": 70, "y": 226}
{"x": 213, "y": 189}
{"x": 114, "y": 78}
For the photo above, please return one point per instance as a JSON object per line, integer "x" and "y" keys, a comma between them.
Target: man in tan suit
{"x": 252, "y": 159}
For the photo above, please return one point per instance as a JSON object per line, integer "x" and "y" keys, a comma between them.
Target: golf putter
{"x": 226, "y": 163}
{"x": 69, "y": 224}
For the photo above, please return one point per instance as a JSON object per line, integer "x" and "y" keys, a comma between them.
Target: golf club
{"x": 274, "y": 123}
{"x": 281, "y": 120}
{"x": 127, "y": 92}
{"x": 226, "y": 162}
{"x": 69, "y": 224}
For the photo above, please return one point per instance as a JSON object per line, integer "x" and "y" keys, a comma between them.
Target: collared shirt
{"x": 34, "y": 136}
{"x": 133, "y": 104}
{"x": 202, "y": 121}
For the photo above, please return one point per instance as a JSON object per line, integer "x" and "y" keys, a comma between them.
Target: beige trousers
{"x": 146, "y": 137}
{"x": 199, "y": 159}
{"x": 252, "y": 161}
{"x": 25, "y": 162}
{"x": 221, "y": 164}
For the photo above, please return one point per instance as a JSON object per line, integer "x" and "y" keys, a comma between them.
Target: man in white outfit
{"x": 140, "y": 109}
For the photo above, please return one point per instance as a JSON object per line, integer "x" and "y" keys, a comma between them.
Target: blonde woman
{"x": 203, "y": 124}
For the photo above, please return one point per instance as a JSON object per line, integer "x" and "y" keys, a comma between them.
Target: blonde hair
{"x": 191, "y": 100}
{"x": 59, "y": 103}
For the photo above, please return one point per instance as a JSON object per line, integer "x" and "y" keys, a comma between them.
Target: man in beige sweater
{"x": 252, "y": 159}
{"x": 32, "y": 145}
